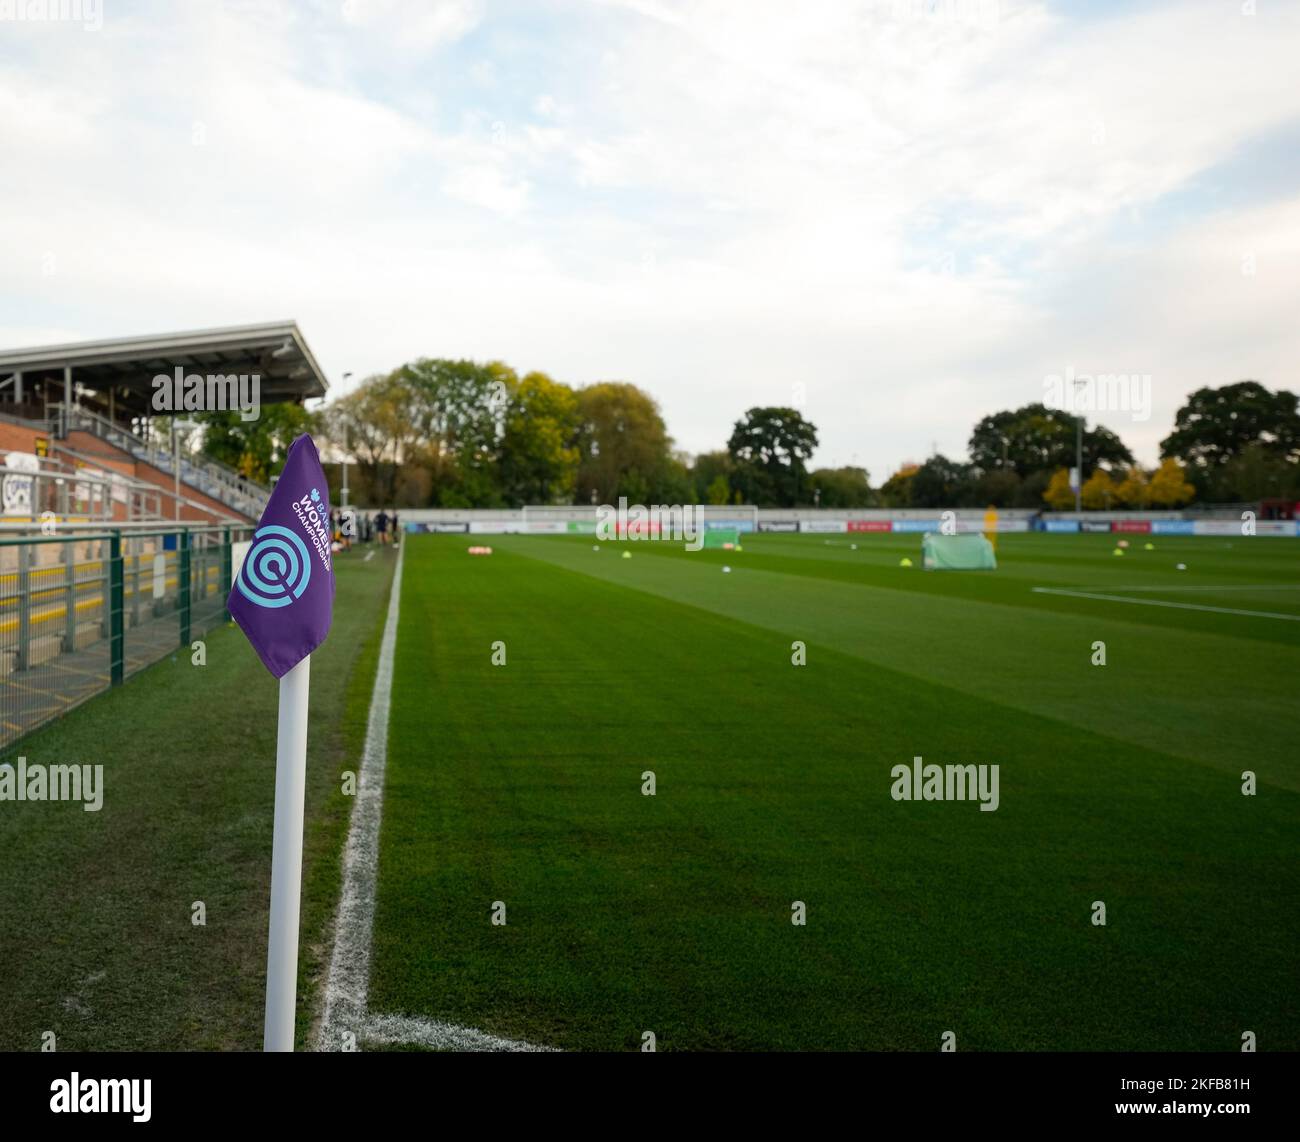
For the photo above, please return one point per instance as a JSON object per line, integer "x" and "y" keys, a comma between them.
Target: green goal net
{"x": 722, "y": 537}
{"x": 971, "y": 552}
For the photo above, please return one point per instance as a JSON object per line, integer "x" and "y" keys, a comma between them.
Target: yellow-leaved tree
{"x": 1059, "y": 495}
{"x": 1133, "y": 490}
{"x": 1169, "y": 487}
{"x": 1098, "y": 490}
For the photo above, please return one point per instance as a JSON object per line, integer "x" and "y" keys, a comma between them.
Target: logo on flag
{"x": 283, "y": 596}
{"x": 276, "y": 569}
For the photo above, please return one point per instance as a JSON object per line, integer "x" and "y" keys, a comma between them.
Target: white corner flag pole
{"x": 286, "y": 859}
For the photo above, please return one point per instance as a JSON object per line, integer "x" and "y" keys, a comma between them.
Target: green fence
{"x": 81, "y": 611}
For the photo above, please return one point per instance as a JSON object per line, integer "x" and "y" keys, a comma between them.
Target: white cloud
{"x": 485, "y": 185}
{"x": 915, "y": 214}
{"x": 408, "y": 27}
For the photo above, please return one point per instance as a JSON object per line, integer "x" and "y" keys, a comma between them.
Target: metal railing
{"x": 70, "y": 492}
{"x": 212, "y": 477}
{"x": 83, "y": 610}
{"x": 145, "y": 501}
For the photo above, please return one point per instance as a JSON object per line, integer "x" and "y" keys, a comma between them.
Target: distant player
{"x": 991, "y": 525}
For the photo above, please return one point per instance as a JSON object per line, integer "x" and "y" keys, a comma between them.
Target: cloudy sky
{"x": 898, "y": 216}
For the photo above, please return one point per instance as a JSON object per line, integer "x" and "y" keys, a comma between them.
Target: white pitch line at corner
{"x": 348, "y": 985}
{"x": 1164, "y": 603}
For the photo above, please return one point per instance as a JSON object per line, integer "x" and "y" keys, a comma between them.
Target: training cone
{"x": 627, "y": 555}
{"x": 905, "y": 562}
{"x": 1148, "y": 547}
{"x": 726, "y": 570}
{"x": 1118, "y": 551}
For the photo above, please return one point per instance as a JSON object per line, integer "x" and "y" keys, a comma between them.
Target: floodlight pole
{"x": 347, "y": 443}
{"x": 1078, "y": 453}
{"x": 1078, "y": 462}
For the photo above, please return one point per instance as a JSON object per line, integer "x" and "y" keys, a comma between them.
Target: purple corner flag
{"x": 283, "y": 596}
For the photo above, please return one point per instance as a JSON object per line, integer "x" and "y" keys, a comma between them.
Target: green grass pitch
{"x": 96, "y": 935}
{"x": 625, "y": 913}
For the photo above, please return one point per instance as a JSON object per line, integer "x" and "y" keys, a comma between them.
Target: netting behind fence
{"x": 82, "y": 612}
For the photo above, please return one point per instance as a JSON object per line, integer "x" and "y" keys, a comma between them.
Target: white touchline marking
{"x": 348, "y": 984}
{"x": 1164, "y": 603}
{"x": 1233, "y": 587}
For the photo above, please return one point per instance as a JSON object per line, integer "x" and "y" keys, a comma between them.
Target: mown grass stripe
{"x": 521, "y": 783}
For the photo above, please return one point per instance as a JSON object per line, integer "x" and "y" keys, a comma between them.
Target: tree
{"x": 457, "y": 410}
{"x": 1059, "y": 496}
{"x": 672, "y": 482}
{"x": 539, "y": 452}
{"x": 1036, "y": 437}
{"x": 1098, "y": 491}
{"x": 455, "y": 403}
{"x": 373, "y": 424}
{"x": 1133, "y": 491}
{"x": 623, "y": 443}
{"x": 1000, "y": 488}
{"x": 1216, "y": 426}
{"x": 1169, "y": 487}
{"x": 896, "y": 492}
{"x": 719, "y": 491}
{"x": 1257, "y": 473}
{"x": 770, "y": 448}
{"x": 256, "y": 447}
{"x": 841, "y": 487}
{"x": 942, "y": 483}
{"x": 1031, "y": 490}
{"x": 707, "y": 470}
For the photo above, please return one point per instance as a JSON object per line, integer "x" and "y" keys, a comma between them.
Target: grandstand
{"x": 85, "y": 408}
{"x": 119, "y": 543}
